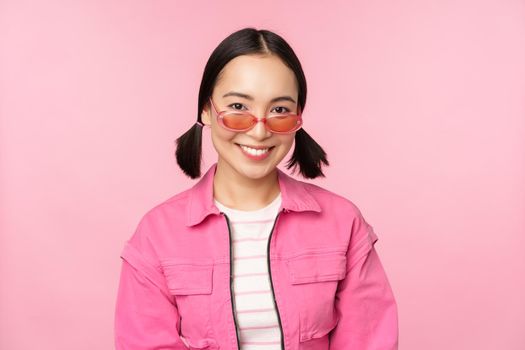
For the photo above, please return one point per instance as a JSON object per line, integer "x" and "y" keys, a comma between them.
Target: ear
{"x": 206, "y": 115}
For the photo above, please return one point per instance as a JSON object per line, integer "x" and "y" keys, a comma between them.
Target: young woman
{"x": 249, "y": 257}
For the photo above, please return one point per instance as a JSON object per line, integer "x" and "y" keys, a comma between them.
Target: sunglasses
{"x": 240, "y": 121}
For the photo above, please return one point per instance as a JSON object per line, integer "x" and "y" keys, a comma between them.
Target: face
{"x": 260, "y": 79}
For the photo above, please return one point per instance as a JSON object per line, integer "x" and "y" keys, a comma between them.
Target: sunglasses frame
{"x": 220, "y": 115}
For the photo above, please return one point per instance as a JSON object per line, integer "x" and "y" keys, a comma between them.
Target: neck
{"x": 241, "y": 192}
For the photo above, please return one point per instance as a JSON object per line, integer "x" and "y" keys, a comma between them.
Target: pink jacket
{"x": 329, "y": 286}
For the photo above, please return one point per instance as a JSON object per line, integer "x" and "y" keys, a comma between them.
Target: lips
{"x": 255, "y": 147}
{"x": 255, "y": 152}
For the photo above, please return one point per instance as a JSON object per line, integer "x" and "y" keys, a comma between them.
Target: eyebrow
{"x": 248, "y": 97}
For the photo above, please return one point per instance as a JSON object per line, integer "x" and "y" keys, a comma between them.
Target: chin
{"x": 257, "y": 172}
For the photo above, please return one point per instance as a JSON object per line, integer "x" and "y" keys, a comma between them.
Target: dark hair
{"x": 307, "y": 154}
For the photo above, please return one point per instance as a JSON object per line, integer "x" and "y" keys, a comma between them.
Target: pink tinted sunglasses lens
{"x": 240, "y": 121}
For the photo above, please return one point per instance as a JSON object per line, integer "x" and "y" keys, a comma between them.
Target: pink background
{"x": 428, "y": 103}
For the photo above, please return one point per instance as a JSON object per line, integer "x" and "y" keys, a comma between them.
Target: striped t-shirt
{"x": 257, "y": 321}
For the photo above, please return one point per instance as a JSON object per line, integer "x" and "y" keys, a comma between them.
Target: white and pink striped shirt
{"x": 257, "y": 322}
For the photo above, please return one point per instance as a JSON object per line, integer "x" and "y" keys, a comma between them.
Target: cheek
{"x": 287, "y": 140}
{"x": 221, "y": 134}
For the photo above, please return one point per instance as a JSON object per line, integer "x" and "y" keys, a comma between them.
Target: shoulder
{"x": 330, "y": 200}
{"x": 338, "y": 211}
{"x": 162, "y": 217}
{"x": 156, "y": 226}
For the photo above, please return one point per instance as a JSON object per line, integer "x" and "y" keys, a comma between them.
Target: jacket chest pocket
{"x": 314, "y": 278}
{"x": 192, "y": 285}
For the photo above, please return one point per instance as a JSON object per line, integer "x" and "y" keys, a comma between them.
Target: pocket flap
{"x": 317, "y": 268}
{"x": 187, "y": 279}
{"x": 207, "y": 343}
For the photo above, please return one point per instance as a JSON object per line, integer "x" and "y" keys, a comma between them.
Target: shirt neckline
{"x": 268, "y": 210}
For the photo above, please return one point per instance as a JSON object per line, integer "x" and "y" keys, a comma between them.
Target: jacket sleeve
{"x": 365, "y": 302}
{"x": 146, "y": 316}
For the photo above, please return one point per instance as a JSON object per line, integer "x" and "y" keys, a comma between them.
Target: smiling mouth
{"x": 255, "y": 151}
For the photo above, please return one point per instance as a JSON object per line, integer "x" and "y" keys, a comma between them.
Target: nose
{"x": 259, "y": 131}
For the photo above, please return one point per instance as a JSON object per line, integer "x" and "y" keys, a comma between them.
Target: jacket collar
{"x": 294, "y": 197}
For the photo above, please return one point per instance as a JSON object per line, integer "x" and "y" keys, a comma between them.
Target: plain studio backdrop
{"x": 420, "y": 106}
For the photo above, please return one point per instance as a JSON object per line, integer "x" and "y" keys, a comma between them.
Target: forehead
{"x": 263, "y": 77}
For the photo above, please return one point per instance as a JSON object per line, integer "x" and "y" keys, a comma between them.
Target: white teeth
{"x": 253, "y": 151}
